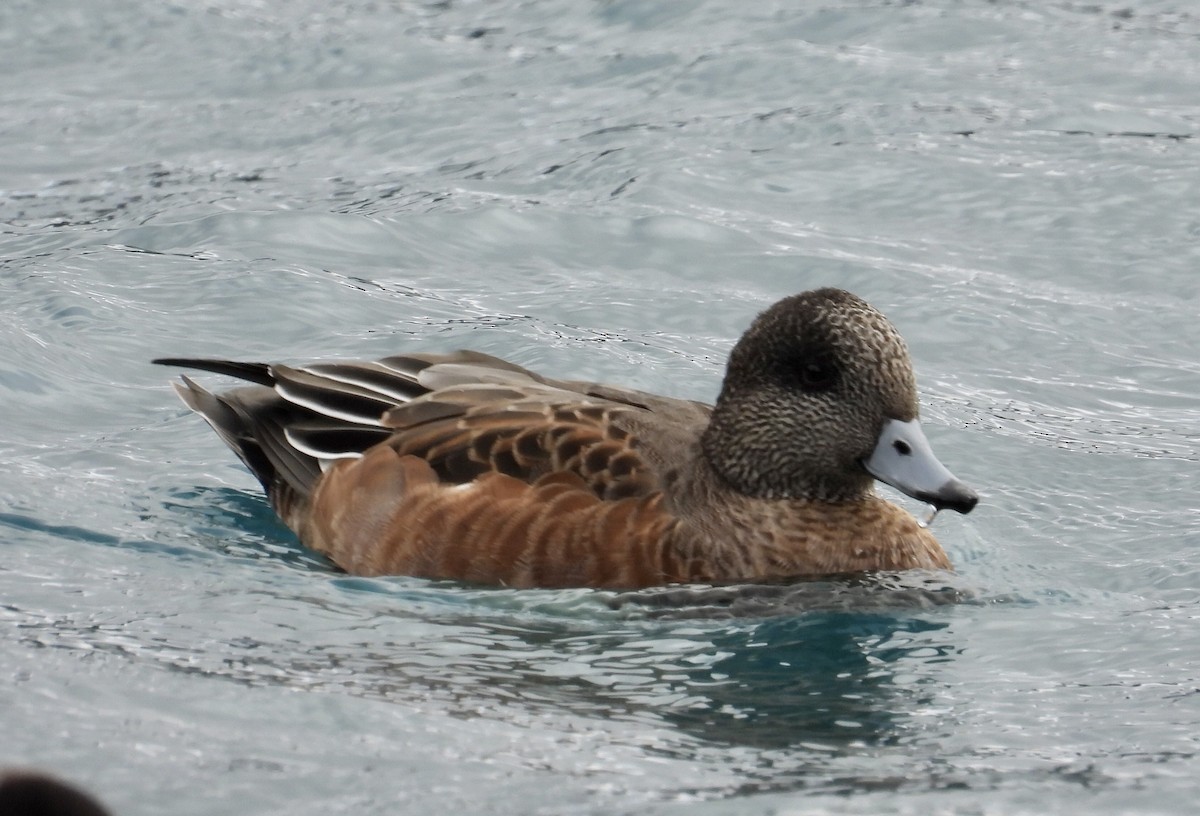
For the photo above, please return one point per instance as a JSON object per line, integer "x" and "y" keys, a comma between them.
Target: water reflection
{"x": 822, "y": 679}
{"x": 825, "y": 678}
{"x": 233, "y": 522}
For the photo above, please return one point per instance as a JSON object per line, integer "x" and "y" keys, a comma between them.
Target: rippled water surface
{"x": 607, "y": 190}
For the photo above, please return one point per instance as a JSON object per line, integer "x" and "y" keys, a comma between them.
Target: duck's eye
{"x": 817, "y": 375}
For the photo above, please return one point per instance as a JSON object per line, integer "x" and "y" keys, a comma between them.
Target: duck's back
{"x": 463, "y": 466}
{"x": 546, "y": 483}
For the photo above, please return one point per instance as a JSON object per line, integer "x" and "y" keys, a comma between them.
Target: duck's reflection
{"x": 828, "y": 679}
{"x": 826, "y": 676}
{"x": 822, "y": 670}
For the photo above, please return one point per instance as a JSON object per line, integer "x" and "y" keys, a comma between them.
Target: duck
{"x": 467, "y": 467}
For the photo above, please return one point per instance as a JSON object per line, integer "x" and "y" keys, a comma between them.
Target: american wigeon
{"x": 468, "y": 467}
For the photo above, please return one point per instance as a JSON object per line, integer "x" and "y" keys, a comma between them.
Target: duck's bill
{"x": 903, "y": 459}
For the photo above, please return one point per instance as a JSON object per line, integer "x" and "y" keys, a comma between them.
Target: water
{"x": 607, "y": 190}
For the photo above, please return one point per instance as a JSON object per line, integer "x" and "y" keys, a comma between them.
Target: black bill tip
{"x": 953, "y": 495}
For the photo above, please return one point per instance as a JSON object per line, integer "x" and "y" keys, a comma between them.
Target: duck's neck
{"x": 760, "y": 460}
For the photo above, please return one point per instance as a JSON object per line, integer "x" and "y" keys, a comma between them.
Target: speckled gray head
{"x": 819, "y": 398}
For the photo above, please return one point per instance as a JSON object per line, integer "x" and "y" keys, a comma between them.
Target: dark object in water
{"x": 32, "y": 793}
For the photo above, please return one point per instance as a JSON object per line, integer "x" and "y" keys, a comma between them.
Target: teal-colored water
{"x": 607, "y": 190}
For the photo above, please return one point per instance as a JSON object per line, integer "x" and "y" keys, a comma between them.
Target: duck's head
{"x": 819, "y": 399}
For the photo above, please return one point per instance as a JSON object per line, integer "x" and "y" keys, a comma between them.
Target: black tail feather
{"x": 253, "y": 372}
